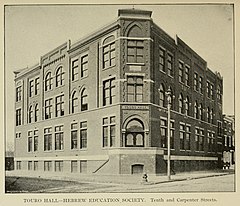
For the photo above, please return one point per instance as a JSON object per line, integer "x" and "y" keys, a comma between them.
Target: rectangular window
{"x": 201, "y": 84}
{"x": 187, "y": 70}
{"x": 163, "y": 133}
{"x": 211, "y": 91}
{"x": 37, "y": 85}
{"x": 35, "y": 139}
{"x": 18, "y": 93}
{"x": 30, "y": 141}
{"x": 74, "y": 166}
{"x": 135, "y": 51}
{"x": 170, "y": 64}
{"x": 18, "y": 117}
{"x": 84, "y": 66}
{"x": 59, "y": 137}
{"x": 208, "y": 89}
{"x": 161, "y": 59}
{"x": 47, "y": 166}
{"x": 201, "y": 140}
{"x": 60, "y": 106}
{"x": 74, "y": 131}
{"x": 180, "y": 67}
{"x": 29, "y": 165}
{"x": 83, "y": 134}
{"x": 197, "y": 134}
{"x": 74, "y": 69}
{"x": 135, "y": 88}
{"x": 109, "y": 92}
{"x": 182, "y": 136}
{"x": 83, "y": 166}
{"x": 109, "y": 128}
{"x": 195, "y": 82}
{"x": 48, "y": 109}
{"x": 35, "y": 165}
{"x": 172, "y": 135}
{"x": 188, "y": 137}
{"x": 48, "y": 139}
{"x": 58, "y": 166}
{"x": 18, "y": 135}
{"x": 31, "y": 88}
{"x": 219, "y": 130}
{"x": 19, "y": 165}
{"x": 109, "y": 55}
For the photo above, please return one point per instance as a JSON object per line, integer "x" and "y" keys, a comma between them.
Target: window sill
{"x": 85, "y": 77}
{"x": 110, "y": 67}
{"x": 139, "y": 64}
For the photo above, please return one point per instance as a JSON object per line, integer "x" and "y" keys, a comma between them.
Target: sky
{"x": 32, "y": 31}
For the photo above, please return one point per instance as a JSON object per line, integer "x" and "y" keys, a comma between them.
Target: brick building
{"x": 99, "y": 105}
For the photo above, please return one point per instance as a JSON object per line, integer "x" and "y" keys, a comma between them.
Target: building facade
{"x": 99, "y": 105}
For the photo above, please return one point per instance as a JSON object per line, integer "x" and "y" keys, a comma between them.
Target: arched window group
{"x": 33, "y": 114}
{"x": 163, "y": 96}
{"x": 59, "y": 79}
{"x": 83, "y": 98}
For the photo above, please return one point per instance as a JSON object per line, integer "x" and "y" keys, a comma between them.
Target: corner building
{"x": 99, "y": 105}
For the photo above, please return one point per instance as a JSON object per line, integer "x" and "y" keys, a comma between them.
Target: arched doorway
{"x": 134, "y": 134}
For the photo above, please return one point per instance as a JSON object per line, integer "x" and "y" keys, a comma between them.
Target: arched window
{"x": 59, "y": 77}
{"x": 134, "y": 134}
{"x": 201, "y": 111}
{"x": 180, "y": 101}
{"x": 135, "y": 48}
{"x": 109, "y": 52}
{"x": 36, "y": 113}
{"x": 74, "y": 102}
{"x": 208, "y": 115}
{"x": 48, "y": 82}
{"x": 187, "y": 105}
{"x": 84, "y": 100}
{"x": 196, "y": 110}
{"x": 30, "y": 114}
{"x": 162, "y": 95}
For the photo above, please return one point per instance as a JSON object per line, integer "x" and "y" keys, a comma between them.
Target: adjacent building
{"x": 99, "y": 105}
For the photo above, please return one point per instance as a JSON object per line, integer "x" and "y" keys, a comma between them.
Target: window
{"x": 211, "y": 91}
{"x": 35, "y": 141}
{"x": 161, "y": 59}
{"x": 29, "y": 165}
{"x": 48, "y": 139}
{"x": 135, "y": 51}
{"x": 36, "y": 113}
{"x": 60, "y": 106}
{"x": 219, "y": 129}
{"x": 83, "y": 135}
{"x": 83, "y": 166}
{"x": 187, "y": 105}
{"x": 180, "y": 67}
{"x": 30, "y": 114}
{"x": 163, "y": 133}
{"x": 74, "y": 102}
{"x": 210, "y": 141}
{"x": 18, "y": 117}
{"x": 172, "y": 128}
{"x": 188, "y": 137}
{"x": 208, "y": 89}
{"x": 197, "y": 134}
{"x": 201, "y": 111}
{"x": 59, "y": 137}
{"x": 84, "y": 66}
{"x": 48, "y": 109}
{"x": 84, "y": 100}
{"x": 37, "y": 85}
{"x": 181, "y": 109}
{"x": 18, "y": 135}
{"x": 187, "y": 70}
{"x": 19, "y": 165}
{"x": 74, "y": 166}
{"x": 196, "y": 110}
{"x": 211, "y": 116}
{"x": 109, "y": 52}
{"x": 18, "y": 93}
{"x": 135, "y": 89}
{"x": 195, "y": 82}
{"x": 74, "y": 130}
{"x": 162, "y": 95}
{"x": 74, "y": 69}
{"x": 35, "y": 165}
{"x": 134, "y": 134}
{"x": 47, "y": 166}
{"x": 109, "y": 127}
{"x": 48, "y": 82}
{"x": 208, "y": 115}
{"x": 201, "y": 84}
{"x": 30, "y": 141}
{"x": 59, "y": 77}
{"x": 58, "y": 166}
{"x": 182, "y": 136}
{"x": 170, "y": 64}
{"x": 109, "y": 91}
{"x": 199, "y": 139}
{"x": 219, "y": 94}
{"x": 31, "y": 88}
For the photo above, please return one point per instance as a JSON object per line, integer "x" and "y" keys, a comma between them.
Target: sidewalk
{"x": 119, "y": 179}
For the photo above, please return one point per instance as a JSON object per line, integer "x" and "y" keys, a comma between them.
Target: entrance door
{"x": 137, "y": 169}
